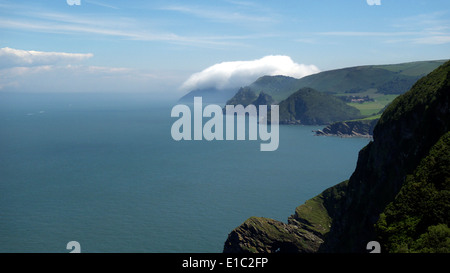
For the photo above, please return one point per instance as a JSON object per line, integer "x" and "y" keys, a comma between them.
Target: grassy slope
{"x": 309, "y": 106}
{"x": 360, "y": 81}
{"x": 373, "y": 107}
{"x": 413, "y": 68}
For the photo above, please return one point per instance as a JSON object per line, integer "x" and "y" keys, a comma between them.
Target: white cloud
{"x": 366, "y": 33}
{"x": 433, "y": 40}
{"x": 101, "y": 4}
{"x": 242, "y": 73}
{"x": 38, "y": 71}
{"x": 35, "y": 20}
{"x": 10, "y": 57}
{"x": 221, "y": 15}
{"x": 85, "y": 79}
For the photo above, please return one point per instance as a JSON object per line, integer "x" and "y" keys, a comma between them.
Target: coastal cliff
{"x": 356, "y": 128}
{"x": 345, "y": 217}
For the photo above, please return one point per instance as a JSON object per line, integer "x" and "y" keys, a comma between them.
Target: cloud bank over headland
{"x": 240, "y": 73}
{"x": 45, "y": 71}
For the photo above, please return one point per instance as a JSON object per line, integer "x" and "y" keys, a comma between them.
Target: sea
{"x": 103, "y": 170}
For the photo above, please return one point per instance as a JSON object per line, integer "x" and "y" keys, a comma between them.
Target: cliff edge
{"x": 354, "y": 128}
{"x": 343, "y": 217}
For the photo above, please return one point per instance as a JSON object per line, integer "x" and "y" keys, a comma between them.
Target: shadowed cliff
{"x": 343, "y": 217}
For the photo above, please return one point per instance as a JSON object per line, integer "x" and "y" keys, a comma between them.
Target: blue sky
{"x": 155, "y": 46}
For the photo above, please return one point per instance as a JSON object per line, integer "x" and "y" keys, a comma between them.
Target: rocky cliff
{"x": 356, "y": 128}
{"x": 342, "y": 218}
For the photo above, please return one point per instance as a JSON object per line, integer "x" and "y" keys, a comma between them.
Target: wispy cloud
{"x": 10, "y": 57}
{"x": 365, "y": 33}
{"x": 433, "y": 40}
{"x": 38, "y": 71}
{"x": 433, "y": 28}
{"x": 220, "y": 15}
{"x": 250, "y": 4}
{"x": 423, "y": 21}
{"x": 422, "y": 37}
{"x": 123, "y": 27}
{"x": 101, "y": 4}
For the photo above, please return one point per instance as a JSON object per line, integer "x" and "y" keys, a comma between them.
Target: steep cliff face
{"x": 403, "y": 136}
{"x": 424, "y": 226}
{"x": 406, "y": 131}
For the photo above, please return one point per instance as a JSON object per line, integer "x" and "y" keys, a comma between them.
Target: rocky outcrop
{"x": 343, "y": 217}
{"x": 357, "y": 128}
{"x": 304, "y": 232}
{"x": 262, "y": 235}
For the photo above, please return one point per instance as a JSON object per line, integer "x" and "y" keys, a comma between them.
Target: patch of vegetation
{"x": 422, "y": 95}
{"x": 310, "y": 107}
{"x": 418, "y": 219}
{"x": 314, "y": 214}
{"x": 413, "y": 68}
{"x": 373, "y": 107}
{"x": 372, "y": 117}
{"x": 278, "y": 87}
{"x": 244, "y": 96}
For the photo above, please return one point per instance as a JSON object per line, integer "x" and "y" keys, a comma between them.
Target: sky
{"x": 168, "y": 48}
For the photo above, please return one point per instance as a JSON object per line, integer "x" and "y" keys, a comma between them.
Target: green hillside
{"x": 244, "y": 96}
{"x": 382, "y": 83}
{"x": 412, "y": 68}
{"x": 278, "y": 87}
{"x": 310, "y": 107}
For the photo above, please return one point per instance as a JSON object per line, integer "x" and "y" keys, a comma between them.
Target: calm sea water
{"x": 104, "y": 170}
